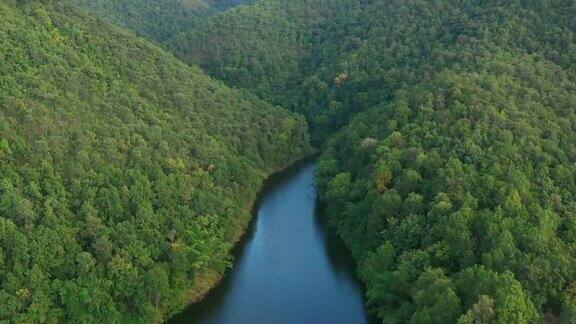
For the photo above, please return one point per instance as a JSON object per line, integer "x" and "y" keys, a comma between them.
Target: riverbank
{"x": 209, "y": 278}
{"x": 289, "y": 267}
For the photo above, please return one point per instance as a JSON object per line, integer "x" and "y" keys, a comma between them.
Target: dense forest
{"x": 125, "y": 175}
{"x": 448, "y": 132}
{"x": 283, "y": 51}
{"x": 156, "y": 20}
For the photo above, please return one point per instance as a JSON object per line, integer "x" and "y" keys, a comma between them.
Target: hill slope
{"x": 274, "y": 49}
{"x": 153, "y": 19}
{"x": 125, "y": 175}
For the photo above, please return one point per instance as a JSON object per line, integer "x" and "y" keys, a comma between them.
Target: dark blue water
{"x": 289, "y": 269}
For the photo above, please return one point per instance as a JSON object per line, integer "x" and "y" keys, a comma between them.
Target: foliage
{"x": 470, "y": 186}
{"x": 273, "y": 48}
{"x": 156, "y": 20}
{"x": 124, "y": 173}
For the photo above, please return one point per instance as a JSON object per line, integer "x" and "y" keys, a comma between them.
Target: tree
{"x": 436, "y": 300}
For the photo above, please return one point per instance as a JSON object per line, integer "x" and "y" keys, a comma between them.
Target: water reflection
{"x": 289, "y": 269}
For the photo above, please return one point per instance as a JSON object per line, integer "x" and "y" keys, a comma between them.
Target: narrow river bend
{"x": 289, "y": 269}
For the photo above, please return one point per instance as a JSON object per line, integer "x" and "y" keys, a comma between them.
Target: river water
{"x": 289, "y": 268}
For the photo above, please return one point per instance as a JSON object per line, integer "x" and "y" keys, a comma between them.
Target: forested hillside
{"x": 154, "y": 19}
{"x": 125, "y": 175}
{"x": 276, "y": 49}
{"x": 453, "y": 179}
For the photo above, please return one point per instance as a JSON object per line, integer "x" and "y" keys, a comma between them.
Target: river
{"x": 289, "y": 268}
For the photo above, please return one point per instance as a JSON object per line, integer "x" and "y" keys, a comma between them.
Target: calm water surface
{"x": 289, "y": 269}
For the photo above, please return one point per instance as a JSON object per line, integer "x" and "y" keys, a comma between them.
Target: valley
{"x": 136, "y": 134}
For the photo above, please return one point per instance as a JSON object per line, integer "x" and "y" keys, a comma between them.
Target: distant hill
{"x": 125, "y": 175}
{"x": 157, "y": 20}
{"x": 273, "y": 48}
